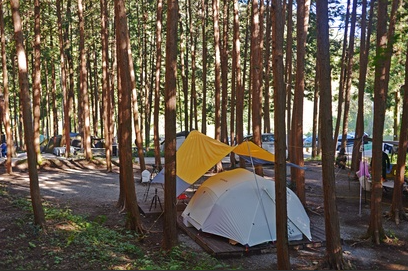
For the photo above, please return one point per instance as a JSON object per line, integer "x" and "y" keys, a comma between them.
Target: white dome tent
{"x": 240, "y": 205}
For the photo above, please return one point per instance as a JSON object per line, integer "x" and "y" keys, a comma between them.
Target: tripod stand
{"x": 155, "y": 171}
{"x": 154, "y": 200}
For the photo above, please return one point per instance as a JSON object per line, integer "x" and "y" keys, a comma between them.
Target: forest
{"x": 140, "y": 71}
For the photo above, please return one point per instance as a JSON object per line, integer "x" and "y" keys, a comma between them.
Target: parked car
{"x": 267, "y": 142}
{"x": 350, "y": 141}
{"x": 307, "y": 142}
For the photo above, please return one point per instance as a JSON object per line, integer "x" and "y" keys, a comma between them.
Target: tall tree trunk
{"x": 343, "y": 68}
{"x": 267, "y": 75}
{"x": 280, "y": 138}
{"x": 217, "y": 65}
{"x": 184, "y": 77}
{"x": 382, "y": 69}
{"x": 315, "y": 125}
{"x": 156, "y": 132}
{"x": 297, "y": 174}
{"x": 71, "y": 106}
{"x": 37, "y": 80}
{"x": 86, "y": 137}
{"x": 288, "y": 73}
{"x": 361, "y": 84}
{"x": 137, "y": 128}
{"x": 256, "y": 78}
{"x": 349, "y": 74}
{"x": 133, "y": 221}
{"x": 224, "y": 73}
{"x": 6, "y": 109}
{"x": 193, "y": 99}
{"x": 39, "y": 217}
{"x": 237, "y": 81}
{"x": 397, "y": 208}
{"x": 170, "y": 239}
{"x": 334, "y": 251}
{"x": 106, "y": 95}
{"x": 204, "y": 57}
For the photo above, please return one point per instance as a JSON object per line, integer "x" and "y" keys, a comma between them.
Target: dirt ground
{"x": 87, "y": 189}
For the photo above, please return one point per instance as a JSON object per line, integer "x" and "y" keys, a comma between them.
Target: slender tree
{"x": 343, "y": 68}
{"x": 334, "y": 252}
{"x": 204, "y": 57}
{"x": 397, "y": 208}
{"x": 37, "y": 79}
{"x": 106, "y": 95}
{"x": 297, "y": 115}
{"x": 361, "y": 86}
{"x": 256, "y": 78}
{"x": 170, "y": 212}
{"x": 349, "y": 74}
{"x": 224, "y": 72}
{"x": 133, "y": 221}
{"x": 159, "y": 22}
{"x": 6, "y": 95}
{"x": 39, "y": 217}
{"x": 288, "y": 70}
{"x": 280, "y": 137}
{"x": 217, "y": 48}
{"x": 384, "y": 44}
{"x": 86, "y": 136}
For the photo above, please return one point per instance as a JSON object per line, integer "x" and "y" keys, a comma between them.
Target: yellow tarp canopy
{"x": 199, "y": 153}
{"x": 250, "y": 149}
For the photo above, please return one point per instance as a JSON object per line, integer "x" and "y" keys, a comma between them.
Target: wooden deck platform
{"x": 220, "y": 247}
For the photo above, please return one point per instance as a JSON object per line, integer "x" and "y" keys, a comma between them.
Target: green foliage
{"x": 179, "y": 258}
{"x": 75, "y": 241}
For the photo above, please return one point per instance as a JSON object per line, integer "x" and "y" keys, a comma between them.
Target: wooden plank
{"x": 220, "y": 247}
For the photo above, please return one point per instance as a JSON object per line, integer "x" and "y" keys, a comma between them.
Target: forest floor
{"x": 87, "y": 189}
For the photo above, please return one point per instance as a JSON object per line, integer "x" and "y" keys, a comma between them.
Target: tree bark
{"x": 288, "y": 73}
{"x": 332, "y": 226}
{"x": 5, "y": 116}
{"x": 384, "y": 43}
{"x": 106, "y": 95}
{"x": 280, "y": 138}
{"x": 256, "y": 78}
{"x": 133, "y": 221}
{"x": 170, "y": 238}
{"x": 39, "y": 217}
{"x": 156, "y": 132}
{"x": 204, "y": 57}
{"x": 361, "y": 86}
{"x": 342, "y": 76}
{"x": 86, "y": 136}
{"x": 37, "y": 80}
{"x": 297, "y": 115}
{"x": 397, "y": 208}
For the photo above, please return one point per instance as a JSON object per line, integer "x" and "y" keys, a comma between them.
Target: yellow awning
{"x": 198, "y": 154}
{"x": 250, "y": 149}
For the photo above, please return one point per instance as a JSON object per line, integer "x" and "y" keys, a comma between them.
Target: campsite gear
{"x": 147, "y": 177}
{"x": 155, "y": 199}
{"x": 240, "y": 205}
